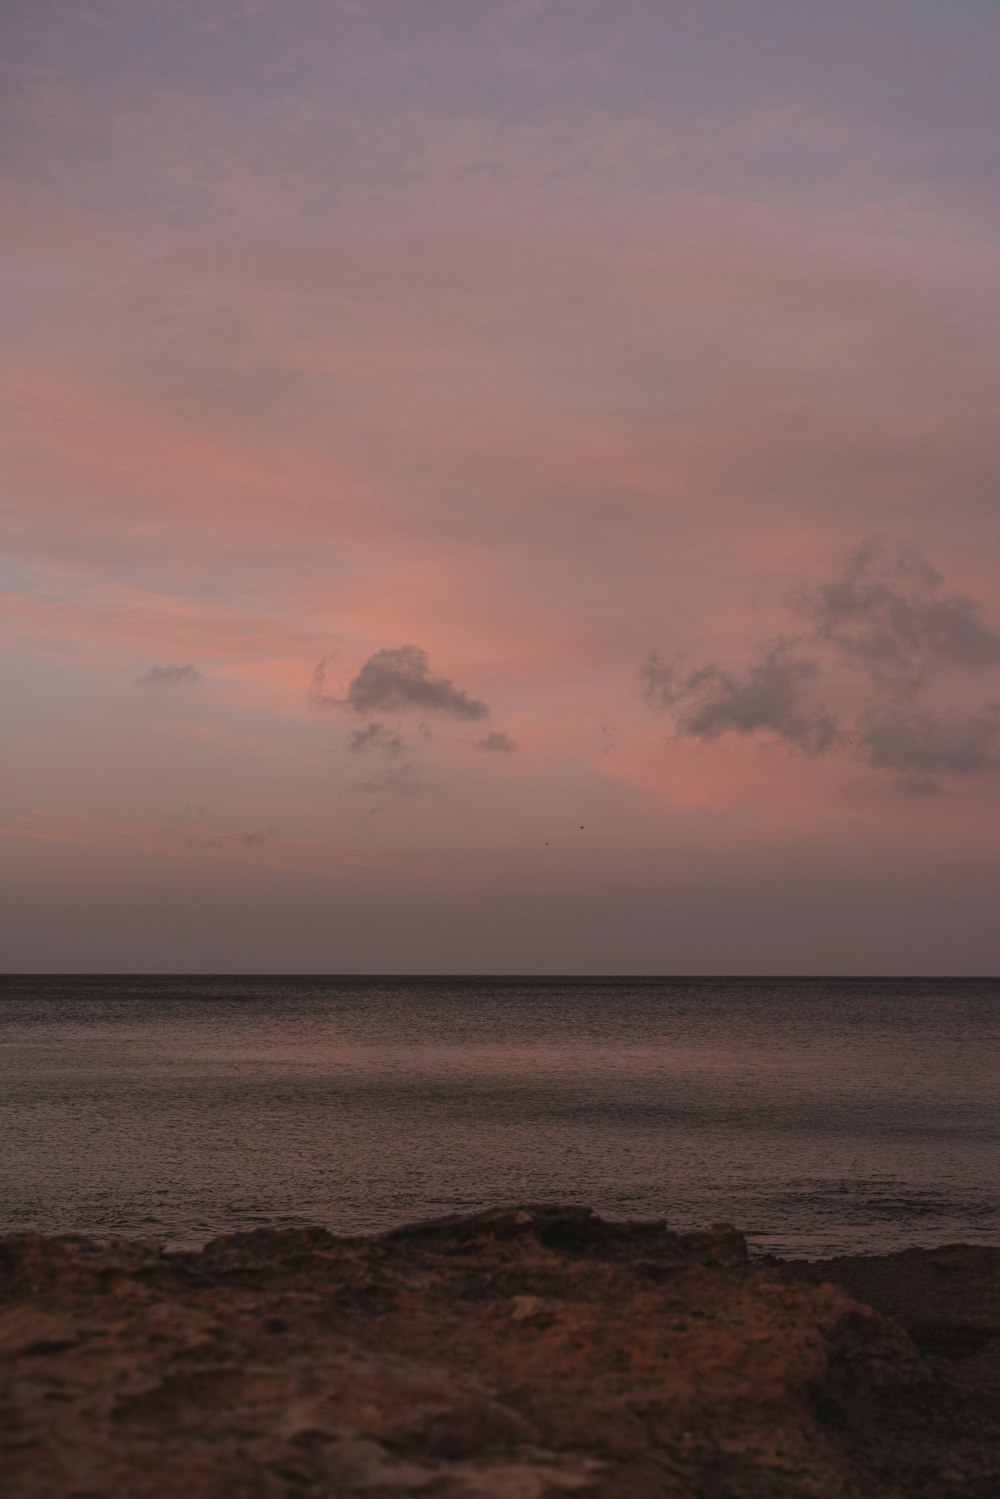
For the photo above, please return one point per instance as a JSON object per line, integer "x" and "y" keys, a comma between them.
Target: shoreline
{"x": 523, "y": 1352}
{"x": 170, "y": 1243}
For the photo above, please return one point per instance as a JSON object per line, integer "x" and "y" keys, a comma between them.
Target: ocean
{"x": 822, "y": 1116}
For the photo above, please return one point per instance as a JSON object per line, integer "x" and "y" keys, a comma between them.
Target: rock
{"x": 523, "y": 1353}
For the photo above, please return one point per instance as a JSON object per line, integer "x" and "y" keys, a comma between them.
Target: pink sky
{"x": 635, "y": 365}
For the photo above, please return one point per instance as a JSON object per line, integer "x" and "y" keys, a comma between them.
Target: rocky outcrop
{"x": 523, "y": 1354}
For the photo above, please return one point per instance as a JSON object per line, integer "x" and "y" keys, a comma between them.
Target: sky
{"x": 500, "y": 486}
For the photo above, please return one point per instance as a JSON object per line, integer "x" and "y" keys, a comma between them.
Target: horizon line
{"x": 459, "y": 975}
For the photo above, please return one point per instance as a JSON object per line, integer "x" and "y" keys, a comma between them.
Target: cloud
{"x": 769, "y": 696}
{"x": 928, "y": 743}
{"x": 400, "y": 678}
{"x": 886, "y": 615}
{"x": 498, "y": 741}
{"x": 397, "y": 780}
{"x": 318, "y": 697}
{"x": 375, "y": 736}
{"x": 255, "y": 839}
{"x": 394, "y": 681}
{"x": 916, "y": 786}
{"x": 169, "y": 676}
{"x": 191, "y": 815}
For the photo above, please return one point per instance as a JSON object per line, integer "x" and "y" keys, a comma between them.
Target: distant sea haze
{"x": 823, "y": 1116}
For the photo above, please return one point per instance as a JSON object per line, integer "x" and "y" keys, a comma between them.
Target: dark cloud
{"x": 662, "y": 685}
{"x": 497, "y": 740}
{"x": 375, "y": 736}
{"x": 394, "y": 681}
{"x": 770, "y": 696}
{"x": 886, "y": 614}
{"x": 318, "y": 697}
{"x": 908, "y": 739}
{"x": 169, "y": 676}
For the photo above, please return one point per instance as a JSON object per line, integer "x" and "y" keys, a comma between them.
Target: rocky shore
{"x": 525, "y": 1354}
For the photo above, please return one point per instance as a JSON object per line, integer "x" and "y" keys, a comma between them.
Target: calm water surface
{"x": 822, "y": 1116}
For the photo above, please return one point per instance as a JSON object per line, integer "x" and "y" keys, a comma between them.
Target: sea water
{"x": 822, "y": 1116}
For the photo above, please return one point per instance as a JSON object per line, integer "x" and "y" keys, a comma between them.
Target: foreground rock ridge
{"x": 525, "y": 1353}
